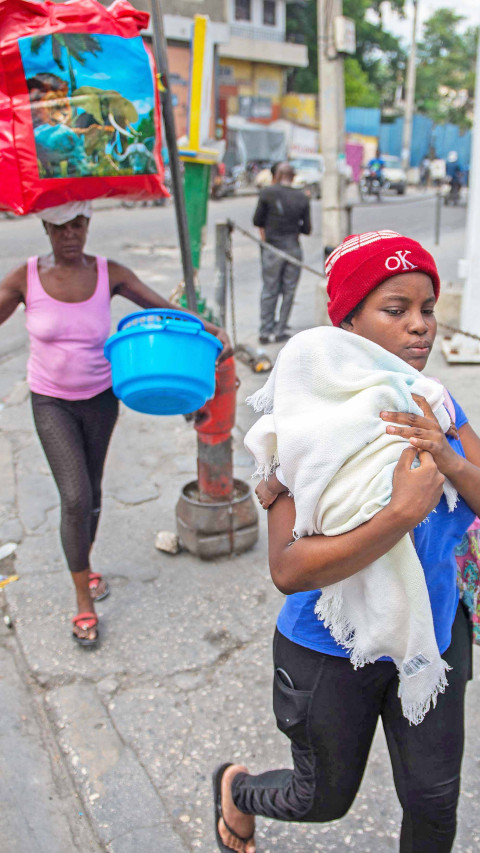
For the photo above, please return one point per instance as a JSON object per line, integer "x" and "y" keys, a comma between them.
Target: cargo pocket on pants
{"x": 291, "y": 709}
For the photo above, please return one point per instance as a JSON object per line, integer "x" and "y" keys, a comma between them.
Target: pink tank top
{"x": 66, "y": 339}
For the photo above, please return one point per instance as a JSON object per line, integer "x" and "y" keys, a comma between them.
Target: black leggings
{"x": 330, "y": 718}
{"x": 75, "y": 435}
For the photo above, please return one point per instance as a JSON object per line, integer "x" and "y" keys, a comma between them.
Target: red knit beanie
{"x": 363, "y": 261}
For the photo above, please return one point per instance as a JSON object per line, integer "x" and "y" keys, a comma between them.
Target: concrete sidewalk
{"x": 112, "y": 749}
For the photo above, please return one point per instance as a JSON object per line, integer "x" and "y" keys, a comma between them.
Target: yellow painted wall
{"x": 254, "y": 79}
{"x": 301, "y": 109}
{"x": 268, "y": 82}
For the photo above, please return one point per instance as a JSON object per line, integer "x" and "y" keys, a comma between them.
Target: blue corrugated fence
{"x": 443, "y": 138}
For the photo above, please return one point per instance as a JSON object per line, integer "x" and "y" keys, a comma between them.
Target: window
{"x": 269, "y": 12}
{"x": 242, "y": 10}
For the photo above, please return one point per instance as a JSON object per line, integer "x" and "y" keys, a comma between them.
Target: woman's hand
{"x": 268, "y": 490}
{"x": 222, "y": 336}
{"x": 416, "y": 491}
{"x": 264, "y": 495}
{"x": 424, "y": 433}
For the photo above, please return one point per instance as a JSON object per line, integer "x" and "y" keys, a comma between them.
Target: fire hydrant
{"x": 216, "y": 514}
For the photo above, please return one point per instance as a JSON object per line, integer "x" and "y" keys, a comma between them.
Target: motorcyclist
{"x": 455, "y": 175}
{"x": 375, "y": 167}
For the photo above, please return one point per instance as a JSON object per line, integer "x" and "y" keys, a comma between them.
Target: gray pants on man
{"x": 279, "y": 278}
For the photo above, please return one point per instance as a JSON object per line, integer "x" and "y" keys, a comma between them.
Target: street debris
{"x": 7, "y": 550}
{"x": 4, "y": 579}
{"x": 257, "y": 360}
{"x": 167, "y": 541}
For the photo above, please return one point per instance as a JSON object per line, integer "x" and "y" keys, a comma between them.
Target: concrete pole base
{"x": 216, "y": 528}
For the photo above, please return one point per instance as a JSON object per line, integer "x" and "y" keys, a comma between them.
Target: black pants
{"x": 75, "y": 435}
{"x": 330, "y": 717}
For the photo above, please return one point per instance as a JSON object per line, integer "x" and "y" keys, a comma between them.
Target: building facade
{"x": 252, "y": 55}
{"x": 254, "y": 61}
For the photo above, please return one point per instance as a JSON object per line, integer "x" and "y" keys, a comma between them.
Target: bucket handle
{"x": 164, "y": 316}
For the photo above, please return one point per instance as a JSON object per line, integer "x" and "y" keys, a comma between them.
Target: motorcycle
{"x": 223, "y": 183}
{"x": 371, "y": 184}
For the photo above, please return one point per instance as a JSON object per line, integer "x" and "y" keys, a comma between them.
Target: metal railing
{"x": 224, "y": 271}
{"x": 248, "y": 31}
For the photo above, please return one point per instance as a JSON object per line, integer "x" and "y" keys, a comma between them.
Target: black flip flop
{"x": 217, "y": 809}
{"x": 95, "y": 576}
{"x": 85, "y": 621}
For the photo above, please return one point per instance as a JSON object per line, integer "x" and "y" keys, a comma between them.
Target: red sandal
{"x": 85, "y": 621}
{"x": 94, "y": 582}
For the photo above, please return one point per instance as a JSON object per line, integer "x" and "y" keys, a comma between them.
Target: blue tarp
{"x": 443, "y": 138}
{"x": 447, "y": 137}
{"x": 390, "y": 139}
{"x": 365, "y": 120}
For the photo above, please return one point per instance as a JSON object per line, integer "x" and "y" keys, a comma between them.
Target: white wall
{"x": 256, "y": 20}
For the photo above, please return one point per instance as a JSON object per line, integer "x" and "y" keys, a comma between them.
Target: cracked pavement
{"x": 112, "y": 749}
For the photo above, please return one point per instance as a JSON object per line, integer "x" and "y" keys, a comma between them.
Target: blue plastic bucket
{"x": 163, "y": 362}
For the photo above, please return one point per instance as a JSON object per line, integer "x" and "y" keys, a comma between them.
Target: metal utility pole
{"x": 331, "y": 94}
{"x": 470, "y": 312}
{"x": 410, "y": 93}
{"x": 160, "y": 53}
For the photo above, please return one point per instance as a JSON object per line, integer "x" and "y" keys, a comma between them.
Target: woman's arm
{"x": 465, "y": 473}
{"x": 317, "y": 561}
{"x": 12, "y": 292}
{"x": 124, "y": 282}
{"x": 425, "y": 433}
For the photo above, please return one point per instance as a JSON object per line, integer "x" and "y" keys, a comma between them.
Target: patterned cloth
{"x": 468, "y": 562}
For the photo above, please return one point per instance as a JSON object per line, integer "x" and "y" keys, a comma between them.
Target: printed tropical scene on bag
{"x": 92, "y": 104}
{"x": 468, "y": 562}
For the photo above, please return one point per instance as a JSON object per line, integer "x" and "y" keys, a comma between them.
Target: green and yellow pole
{"x": 197, "y": 186}
{"x": 160, "y": 52}
{"x": 197, "y": 159}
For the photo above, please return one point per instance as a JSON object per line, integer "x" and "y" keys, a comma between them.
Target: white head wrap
{"x": 65, "y": 212}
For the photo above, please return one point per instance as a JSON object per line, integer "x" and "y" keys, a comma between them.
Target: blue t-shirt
{"x": 435, "y": 540}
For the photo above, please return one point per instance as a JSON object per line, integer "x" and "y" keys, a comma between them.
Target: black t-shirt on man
{"x": 284, "y": 213}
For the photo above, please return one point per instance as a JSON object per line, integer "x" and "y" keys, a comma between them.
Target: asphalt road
{"x": 146, "y": 240}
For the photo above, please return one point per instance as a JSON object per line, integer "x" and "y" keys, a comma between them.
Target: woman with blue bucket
{"x": 67, "y": 296}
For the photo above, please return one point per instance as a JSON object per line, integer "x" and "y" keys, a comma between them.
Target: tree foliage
{"x": 446, "y": 60}
{"x": 371, "y": 75}
{"x": 445, "y": 83}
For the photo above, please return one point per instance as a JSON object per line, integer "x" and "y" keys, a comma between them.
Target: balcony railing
{"x": 257, "y": 33}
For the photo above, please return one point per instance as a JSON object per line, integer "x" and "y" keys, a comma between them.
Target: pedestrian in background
{"x": 425, "y": 172}
{"x": 282, "y": 214}
{"x": 67, "y": 296}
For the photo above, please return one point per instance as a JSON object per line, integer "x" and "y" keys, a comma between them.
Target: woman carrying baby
{"x": 378, "y": 486}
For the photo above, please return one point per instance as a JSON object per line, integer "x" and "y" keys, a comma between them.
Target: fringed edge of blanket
{"x": 266, "y": 469}
{"x": 415, "y": 711}
{"x": 261, "y": 401}
{"x": 330, "y": 611}
{"x": 451, "y": 495}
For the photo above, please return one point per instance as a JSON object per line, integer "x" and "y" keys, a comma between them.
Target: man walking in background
{"x": 282, "y": 214}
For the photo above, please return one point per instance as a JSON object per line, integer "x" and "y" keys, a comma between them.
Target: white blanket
{"x": 321, "y": 423}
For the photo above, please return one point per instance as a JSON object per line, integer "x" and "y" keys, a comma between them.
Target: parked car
{"x": 309, "y": 169}
{"x": 394, "y": 175}
{"x": 263, "y": 178}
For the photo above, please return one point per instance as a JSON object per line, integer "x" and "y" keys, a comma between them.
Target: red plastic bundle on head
{"x": 79, "y": 106}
